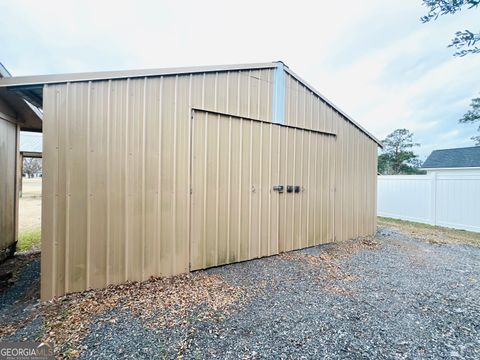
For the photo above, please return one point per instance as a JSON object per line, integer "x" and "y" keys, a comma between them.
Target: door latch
{"x": 279, "y": 188}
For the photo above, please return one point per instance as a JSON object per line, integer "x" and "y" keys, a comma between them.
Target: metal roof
{"x": 29, "y": 117}
{"x": 31, "y": 87}
{"x": 4, "y": 72}
{"x": 125, "y": 74}
{"x": 453, "y": 158}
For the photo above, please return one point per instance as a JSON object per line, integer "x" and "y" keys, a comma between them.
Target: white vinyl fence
{"x": 445, "y": 200}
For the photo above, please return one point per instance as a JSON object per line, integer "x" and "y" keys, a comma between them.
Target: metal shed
{"x": 15, "y": 115}
{"x": 160, "y": 172}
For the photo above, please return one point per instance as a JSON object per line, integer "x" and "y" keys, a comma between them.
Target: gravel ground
{"x": 393, "y": 297}
{"x": 23, "y": 294}
{"x": 401, "y": 299}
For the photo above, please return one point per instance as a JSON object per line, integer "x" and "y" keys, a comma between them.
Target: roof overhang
{"x": 28, "y": 117}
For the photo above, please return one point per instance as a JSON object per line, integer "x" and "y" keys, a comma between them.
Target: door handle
{"x": 279, "y": 188}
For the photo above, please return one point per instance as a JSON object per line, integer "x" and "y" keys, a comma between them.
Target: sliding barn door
{"x": 257, "y": 189}
{"x": 307, "y": 207}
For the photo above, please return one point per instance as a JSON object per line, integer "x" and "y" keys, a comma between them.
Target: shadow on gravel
{"x": 21, "y": 285}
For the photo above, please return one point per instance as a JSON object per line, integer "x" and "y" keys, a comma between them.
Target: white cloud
{"x": 374, "y": 59}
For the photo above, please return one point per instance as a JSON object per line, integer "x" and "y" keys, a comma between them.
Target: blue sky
{"x": 373, "y": 58}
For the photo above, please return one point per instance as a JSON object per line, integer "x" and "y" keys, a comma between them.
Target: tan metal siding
{"x": 235, "y": 211}
{"x": 355, "y": 159}
{"x": 306, "y": 218}
{"x": 8, "y": 153}
{"x": 117, "y": 170}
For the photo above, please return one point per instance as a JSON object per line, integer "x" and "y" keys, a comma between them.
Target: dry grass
{"x": 432, "y": 234}
{"x": 329, "y": 263}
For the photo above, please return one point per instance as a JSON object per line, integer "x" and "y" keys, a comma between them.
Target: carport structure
{"x": 159, "y": 172}
{"x": 15, "y": 115}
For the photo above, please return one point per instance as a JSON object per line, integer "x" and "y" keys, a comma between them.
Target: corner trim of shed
{"x": 278, "y": 113}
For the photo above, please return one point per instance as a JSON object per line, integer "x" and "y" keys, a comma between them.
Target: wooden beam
{"x": 18, "y": 180}
{"x": 31, "y": 154}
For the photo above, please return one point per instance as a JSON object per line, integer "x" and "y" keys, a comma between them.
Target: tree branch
{"x": 464, "y": 41}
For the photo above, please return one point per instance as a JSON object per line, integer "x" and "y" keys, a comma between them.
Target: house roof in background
{"x": 453, "y": 158}
{"x": 30, "y": 142}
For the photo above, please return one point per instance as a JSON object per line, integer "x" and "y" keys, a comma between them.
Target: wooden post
{"x": 18, "y": 179}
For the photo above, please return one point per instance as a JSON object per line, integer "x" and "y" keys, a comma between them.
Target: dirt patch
{"x": 30, "y": 205}
{"x": 30, "y": 214}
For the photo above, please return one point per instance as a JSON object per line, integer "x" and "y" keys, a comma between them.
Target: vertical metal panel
{"x": 355, "y": 160}
{"x": 75, "y": 168}
{"x": 49, "y": 214}
{"x": 252, "y": 211}
{"x": 8, "y": 155}
{"x": 116, "y": 173}
{"x": 118, "y": 164}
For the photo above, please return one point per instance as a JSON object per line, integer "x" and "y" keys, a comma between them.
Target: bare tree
{"x": 32, "y": 166}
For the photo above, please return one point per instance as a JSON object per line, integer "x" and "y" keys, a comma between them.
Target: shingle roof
{"x": 30, "y": 142}
{"x": 453, "y": 158}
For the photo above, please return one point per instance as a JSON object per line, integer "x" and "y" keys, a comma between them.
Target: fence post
{"x": 433, "y": 198}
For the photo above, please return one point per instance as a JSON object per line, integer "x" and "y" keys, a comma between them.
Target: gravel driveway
{"x": 393, "y": 297}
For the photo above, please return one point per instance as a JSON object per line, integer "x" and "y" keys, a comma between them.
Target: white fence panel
{"x": 445, "y": 200}
{"x": 458, "y": 201}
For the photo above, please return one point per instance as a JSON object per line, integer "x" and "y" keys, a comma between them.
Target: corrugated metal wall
{"x": 355, "y": 160}
{"x": 117, "y": 170}
{"x": 8, "y": 153}
{"x": 236, "y": 214}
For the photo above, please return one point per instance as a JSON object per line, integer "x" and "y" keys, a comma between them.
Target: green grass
{"x": 28, "y": 240}
{"x": 433, "y": 234}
